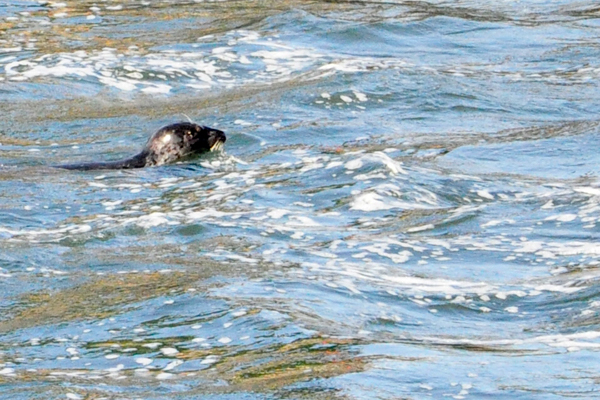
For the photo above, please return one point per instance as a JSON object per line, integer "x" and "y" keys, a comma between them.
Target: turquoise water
{"x": 407, "y": 205}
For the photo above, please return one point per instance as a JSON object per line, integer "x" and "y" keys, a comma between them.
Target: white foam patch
{"x": 555, "y": 288}
{"x": 378, "y": 157}
{"x": 34, "y": 233}
{"x": 361, "y": 96}
{"x": 381, "y": 274}
{"x": 353, "y": 164}
{"x": 153, "y": 220}
{"x": 485, "y": 194}
{"x": 446, "y": 286}
{"x": 300, "y": 221}
{"x": 381, "y": 249}
{"x": 144, "y": 361}
{"x": 191, "y": 68}
{"x": 169, "y": 351}
{"x": 372, "y": 201}
{"x": 210, "y": 359}
{"x": 7, "y": 371}
{"x": 571, "y": 342}
{"x": 277, "y": 213}
{"x": 592, "y": 191}
{"x": 492, "y": 72}
{"x": 497, "y": 222}
{"x": 172, "y": 365}
{"x": 364, "y": 64}
{"x": 420, "y": 228}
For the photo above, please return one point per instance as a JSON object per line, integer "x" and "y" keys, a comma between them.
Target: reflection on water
{"x": 407, "y": 204}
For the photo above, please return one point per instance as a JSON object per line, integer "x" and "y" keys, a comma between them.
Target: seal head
{"x": 174, "y": 142}
{"x": 169, "y": 144}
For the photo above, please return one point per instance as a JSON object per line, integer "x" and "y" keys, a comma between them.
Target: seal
{"x": 169, "y": 144}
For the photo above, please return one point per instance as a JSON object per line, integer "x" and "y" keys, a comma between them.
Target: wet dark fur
{"x": 167, "y": 145}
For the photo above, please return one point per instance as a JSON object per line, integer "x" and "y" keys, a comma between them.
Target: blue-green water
{"x": 407, "y": 205}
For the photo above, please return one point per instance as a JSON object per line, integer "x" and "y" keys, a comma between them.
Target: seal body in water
{"x": 170, "y": 143}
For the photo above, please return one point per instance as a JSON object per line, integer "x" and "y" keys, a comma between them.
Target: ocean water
{"x": 407, "y": 204}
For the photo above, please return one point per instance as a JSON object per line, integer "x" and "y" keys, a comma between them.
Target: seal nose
{"x": 216, "y": 135}
{"x": 216, "y": 138}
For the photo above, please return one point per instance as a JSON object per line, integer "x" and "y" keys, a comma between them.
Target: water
{"x": 407, "y": 205}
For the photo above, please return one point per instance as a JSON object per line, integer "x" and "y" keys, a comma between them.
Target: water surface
{"x": 406, "y": 207}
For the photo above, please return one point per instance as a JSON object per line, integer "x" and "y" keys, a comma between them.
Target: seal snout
{"x": 216, "y": 138}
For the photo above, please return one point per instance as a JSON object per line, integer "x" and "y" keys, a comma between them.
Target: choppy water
{"x": 407, "y": 206}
